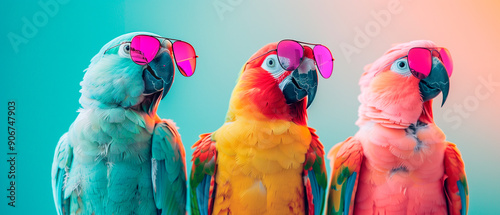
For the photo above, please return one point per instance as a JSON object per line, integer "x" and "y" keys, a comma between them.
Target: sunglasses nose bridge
{"x": 163, "y": 49}
{"x": 435, "y": 53}
{"x": 308, "y": 53}
{"x": 165, "y": 43}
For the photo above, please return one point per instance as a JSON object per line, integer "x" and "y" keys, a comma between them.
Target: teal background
{"x": 43, "y": 76}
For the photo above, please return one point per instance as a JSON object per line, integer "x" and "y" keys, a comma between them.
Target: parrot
{"x": 264, "y": 159}
{"x": 399, "y": 161}
{"x": 119, "y": 156}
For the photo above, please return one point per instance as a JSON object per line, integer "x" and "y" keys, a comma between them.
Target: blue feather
{"x": 106, "y": 167}
{"x": 203, "y": 192}
{"x": 317, "y": 192}
{"x": 461, "y": 192}
{"x": 348, "y": 192}
{"x": 63, "y": 158}
{"x": 168, "y": 172}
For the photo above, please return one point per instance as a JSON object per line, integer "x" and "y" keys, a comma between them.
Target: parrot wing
{"x": 61, "y": 165}
{"x": 455, "y": 181}
{"x": 202, "y": 180}
{"x": 315, "y": 178}
{"x": 168, "y": 169}
{"x": 347, "y": 158}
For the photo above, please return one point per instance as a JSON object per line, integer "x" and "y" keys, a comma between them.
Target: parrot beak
{"x": 437, "y": 81}
{"x": 301, "y": 83}
{"x": 159, "y": 74}
{"x": 158, "y": 77}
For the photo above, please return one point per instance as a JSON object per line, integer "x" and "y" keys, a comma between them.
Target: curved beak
{"x": 301, "y": 83}
{"x": 437, "y": 81}
{"x": 158, "y": 77}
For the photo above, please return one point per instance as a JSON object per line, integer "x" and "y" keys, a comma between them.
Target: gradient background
{"x": 43, "y": 76}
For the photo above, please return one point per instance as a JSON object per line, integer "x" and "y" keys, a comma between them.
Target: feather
{"x": 399, "y": 159}
{"x": 102, "y": 165}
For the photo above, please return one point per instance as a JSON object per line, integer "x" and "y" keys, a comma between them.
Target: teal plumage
{"x": 118, "y": 156}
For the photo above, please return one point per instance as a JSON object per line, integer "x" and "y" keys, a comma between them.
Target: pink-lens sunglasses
{"x": 144, "y": 48}
{"x": 291, "y": 52}
{"x": 420, "y": 60}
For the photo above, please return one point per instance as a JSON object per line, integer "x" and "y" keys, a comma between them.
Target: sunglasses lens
{"x": 143, "y": 49}
{"x": 447, "y": 61}
{"x": 324, "y": 60}
{"x": 185, "y": 57}
{"x": 290, "y": 54}
{"x": 420, "y": 62}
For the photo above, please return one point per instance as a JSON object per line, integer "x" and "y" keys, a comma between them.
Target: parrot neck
{"x": 299, "y": 112}
{"x": 145, "y": 107}
{"x": 395, "y": 116}
{"x": 402, "y": 143}
{"x": 295, "y": 113}
{"x": 427, "y": 116}
{"x": 88, "y": 103}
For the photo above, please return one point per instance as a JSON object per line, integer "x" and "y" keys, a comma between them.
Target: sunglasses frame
{"x": 431, "y": 50}
{"x": 158, "y": 38}
{"x": 301, "y": 59}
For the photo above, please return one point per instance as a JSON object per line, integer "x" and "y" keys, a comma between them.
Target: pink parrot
{"x": 399, "y": 161}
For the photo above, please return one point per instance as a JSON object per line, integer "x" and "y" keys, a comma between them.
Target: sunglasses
{"x": 420, "y": 60}
{"x": 144, "y": 48}
{"x": 291, "y": 52}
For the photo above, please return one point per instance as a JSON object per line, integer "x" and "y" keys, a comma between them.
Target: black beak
{"x": 301, "y": 83}
{"x": 158, "y": 77}
{"x": 437, "y": 81}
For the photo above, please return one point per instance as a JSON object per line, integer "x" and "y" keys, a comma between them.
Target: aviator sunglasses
{"x": 420, "y": 60}
{"x": 291, "y": 52}
{"x": 143, "y": 49}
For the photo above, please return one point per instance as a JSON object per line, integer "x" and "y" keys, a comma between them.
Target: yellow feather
{"x": 260, "y": 166}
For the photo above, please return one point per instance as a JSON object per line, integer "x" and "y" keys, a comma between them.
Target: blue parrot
{"x": 118, "y": 156}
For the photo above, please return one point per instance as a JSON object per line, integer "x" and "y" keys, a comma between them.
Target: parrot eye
{"x": 270, "y": 62}
{"x": 272, "y": 66}
{"x": 400, "y": 66}
{"x": 124, "y": 50}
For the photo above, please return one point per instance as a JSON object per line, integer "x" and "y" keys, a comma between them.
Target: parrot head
{"x": 114, "y": 80}
{"x": 268, "y": 91}
{"x": 393, "y": 96}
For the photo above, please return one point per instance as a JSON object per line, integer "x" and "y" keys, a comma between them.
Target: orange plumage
{"x": 261, "y": 150}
